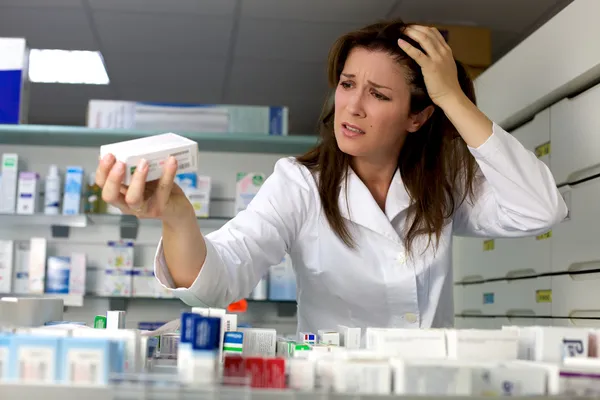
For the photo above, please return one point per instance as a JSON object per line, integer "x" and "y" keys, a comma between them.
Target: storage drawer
{"x": 577, "y": 295}
{"x": 576, "y": 241}
{"x": 519, "y": 257}
{"x": 575, "y": 136}
{"x": 474, "y": 259}
{"x": 535, "y": 136}
{"x": 476, "y": 323}
{"x": 522, "y": 297}
{"x": 473, "y": 299}
{"x": 478, "y": 259}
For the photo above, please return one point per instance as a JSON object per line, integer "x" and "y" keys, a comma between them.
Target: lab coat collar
{"x": 358, "y": 205}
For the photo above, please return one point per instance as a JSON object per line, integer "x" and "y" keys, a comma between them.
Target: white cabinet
{"x": 535, "y": 136}
{"x": 481, "y": 259}
{"x": 474, "y": 299}
{"x": 521, "y": 297}
{"x": 575, "y": 136}
{"x": 576, "y": 241}
{"x": 576, "y": 295}
{"x": 475, "y": 259}
{"x": 477, "y": 323}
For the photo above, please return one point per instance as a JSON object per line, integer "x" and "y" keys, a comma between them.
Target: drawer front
{"x": 576, "y": 295}
{"x": 575, "y": 136}
{"x": 576, "y": 241}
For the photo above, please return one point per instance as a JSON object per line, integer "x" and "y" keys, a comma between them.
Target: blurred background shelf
{"x": 80, "y": 136}
{"x": 128, "y": 224}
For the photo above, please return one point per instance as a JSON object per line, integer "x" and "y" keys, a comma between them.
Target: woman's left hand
{"x": 437, "y": 63}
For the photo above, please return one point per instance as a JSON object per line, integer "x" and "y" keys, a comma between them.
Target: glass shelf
{"x": 81, "y": 136}
{"x": 128, "y": 225}
{"x": 73, "y": 221}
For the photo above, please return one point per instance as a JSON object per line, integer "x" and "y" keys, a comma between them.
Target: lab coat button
{"x": 410, "y": 318}
{"x": 401, "y": 258}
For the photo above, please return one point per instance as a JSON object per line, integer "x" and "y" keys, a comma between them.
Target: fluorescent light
{"x": 67, "y": 66}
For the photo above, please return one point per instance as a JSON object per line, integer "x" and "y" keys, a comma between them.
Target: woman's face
{"x": 372, "y": 103}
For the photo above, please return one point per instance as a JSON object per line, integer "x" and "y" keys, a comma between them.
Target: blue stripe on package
{"x": 206, "y": 334}
{"x": 187, "y": 326}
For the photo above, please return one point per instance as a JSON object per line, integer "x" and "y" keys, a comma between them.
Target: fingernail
{"x": 142, "y": 165}
{"x": 108, "y": 158}
{"x": 171, "y": 160}
{"x": 120, "y": 167}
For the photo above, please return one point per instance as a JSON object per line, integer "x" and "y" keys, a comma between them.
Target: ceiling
{"x": 269, "y": 52}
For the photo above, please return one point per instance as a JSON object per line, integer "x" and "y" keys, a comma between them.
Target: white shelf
{"x": 155, "y": 390}
{"x": 72, "y": 221}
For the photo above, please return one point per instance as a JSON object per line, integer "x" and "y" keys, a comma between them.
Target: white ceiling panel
{"x": 66, "y": 28}
{"x": 505, "y": 15}
{"x": 275, "y": 82}
{"x": 164, "y": 34}
{"x": 288, "y": 40}
{"x": 41, "y": 3}
{"x": 362, "y": 11}
{"x": 206, "y": 7}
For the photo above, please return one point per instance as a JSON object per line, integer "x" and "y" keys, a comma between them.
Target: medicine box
{"x": 246, "y": 187}
{"x": 14, "y": 81}
{"x": 34, "y": 359}
{"x": 205, "y": 118}
{"x": 89, "y": 361}
{"x": 155, "y": 150}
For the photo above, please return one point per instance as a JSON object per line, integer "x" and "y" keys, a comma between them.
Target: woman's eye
{"x": 346, "y": 85}
{"x": 379, "y": 96}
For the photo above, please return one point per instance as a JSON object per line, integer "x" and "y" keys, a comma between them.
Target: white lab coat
{"x": 376, "y": 284}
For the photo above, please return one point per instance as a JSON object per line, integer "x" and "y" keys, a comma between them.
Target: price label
{"x": 543, "y": 296}
{"x": 488, "y": 245}
{"x": 542, "y": 150}
{"x": 543, "y": 236}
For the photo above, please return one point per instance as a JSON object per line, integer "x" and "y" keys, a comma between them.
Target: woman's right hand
{"x": 161, "y": 199}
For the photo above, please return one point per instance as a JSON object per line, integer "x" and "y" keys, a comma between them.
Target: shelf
{"x": 172, "y": 391}
{"x": 73, "y": 221}
{"x": 128, "y": 224}
{"x": 81, "y": 136}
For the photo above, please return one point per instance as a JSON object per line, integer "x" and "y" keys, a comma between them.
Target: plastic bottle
{"x": 52, "y": 192}
{"x": 93, "y": 196}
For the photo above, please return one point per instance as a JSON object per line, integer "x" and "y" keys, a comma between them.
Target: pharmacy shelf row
{"x": 60, "y": 224}
{"x": 154, "y": 392}
{"x": 80, "y": 136}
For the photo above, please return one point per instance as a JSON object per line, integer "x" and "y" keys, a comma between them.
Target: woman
{"x": 406, "y": 160}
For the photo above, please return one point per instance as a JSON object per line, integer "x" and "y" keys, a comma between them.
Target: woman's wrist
{"x": 179, "y": 214}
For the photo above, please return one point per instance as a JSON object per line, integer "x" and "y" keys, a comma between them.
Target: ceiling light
{"x": 67, "y": 66}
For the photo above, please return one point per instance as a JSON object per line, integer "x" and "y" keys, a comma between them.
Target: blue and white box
{"x": 201, "y": 118}
{"x": 73, "y": 189}
{"x": 34, "y": 359}
{"x": 282, "y": 281}
{"x": 233, "y": 343}
{"x": 4, "y": 355}
{"x": 14, "y": 81}
{"x": 184, "y": 349}
{"x": 58, "y": 271}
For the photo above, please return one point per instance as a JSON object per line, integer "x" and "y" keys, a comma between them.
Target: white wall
{"x": 222, "y": 167}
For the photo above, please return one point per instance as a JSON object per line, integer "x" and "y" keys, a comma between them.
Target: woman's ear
{"x": 416, "y": 121}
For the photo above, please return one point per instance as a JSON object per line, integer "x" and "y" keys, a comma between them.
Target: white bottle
{"x": 52, "y": 192}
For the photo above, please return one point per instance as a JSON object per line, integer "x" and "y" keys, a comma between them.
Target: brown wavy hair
{"x": 435, "y": 164}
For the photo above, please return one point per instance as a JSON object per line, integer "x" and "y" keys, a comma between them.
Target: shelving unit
{"x": 165, "y": 392}
{"x": 80, "y": 136}
{"x": 61, "y": 224}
